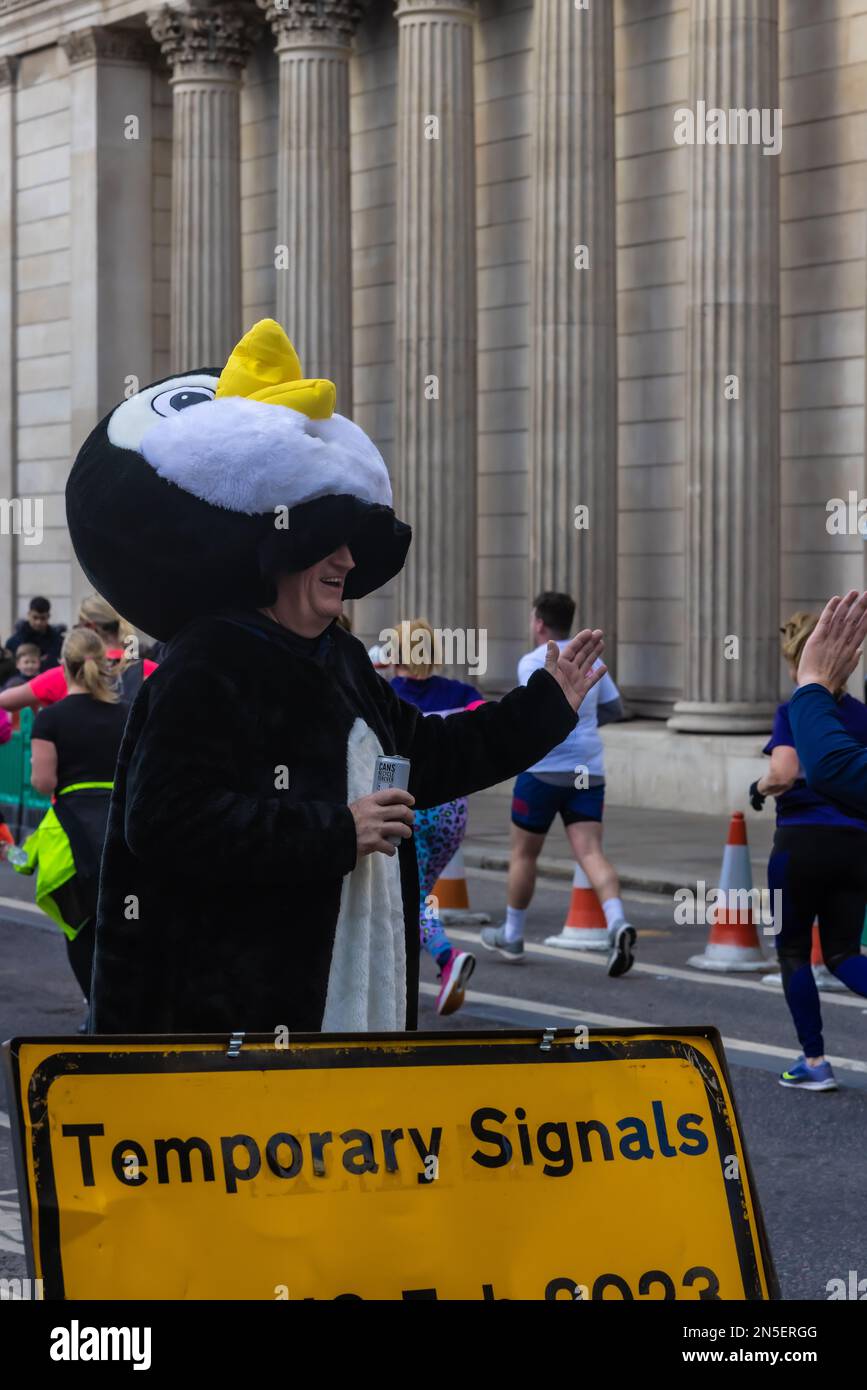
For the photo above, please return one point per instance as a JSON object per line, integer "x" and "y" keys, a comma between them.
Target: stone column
{"x": 572, "y": 442}
{"x": 8, "y": 383}
{"x": 207, "y": 46}
{"x": 314, "y": 276}
{"x": 731, "y": 653}
{"x": 436, "y": 309}
{"x": 111, "y": 196}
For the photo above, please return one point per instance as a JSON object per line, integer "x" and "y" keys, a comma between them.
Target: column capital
{"x": 299, "y": 23}
{"x": 205, "y": 40}
{"x": 436, "y": 9}
{"x": 8, "y": 70}
{"x": 116, "y": 45}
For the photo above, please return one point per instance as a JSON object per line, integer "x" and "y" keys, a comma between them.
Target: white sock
{"x": 613, "y": 909}
{"x": 514, "y": 924}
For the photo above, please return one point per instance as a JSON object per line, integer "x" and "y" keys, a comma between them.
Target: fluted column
{"x": 206, "y": 46}
{"x": 573, "y": 359}
{"x": 436, "y": 309}
{"x": 314, "y": 280}
{"x": 731, "y": 654}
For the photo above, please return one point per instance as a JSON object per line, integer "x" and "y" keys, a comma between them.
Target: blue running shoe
{"x": 809, "y": 1078}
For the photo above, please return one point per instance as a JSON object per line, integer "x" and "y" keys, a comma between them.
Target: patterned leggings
{"x": 438, "y": 833}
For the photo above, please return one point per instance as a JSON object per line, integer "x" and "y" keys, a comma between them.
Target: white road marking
{"x": 19, "y": 905}
{"x": 532, "y": 1006}
{"x": 672, "y": 972}
{"x": 4, "y": 1120}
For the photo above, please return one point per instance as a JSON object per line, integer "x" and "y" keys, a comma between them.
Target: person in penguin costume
{"x": 247, "y": 878}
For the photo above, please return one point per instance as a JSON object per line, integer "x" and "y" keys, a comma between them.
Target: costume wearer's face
{"x": 38, "y": 621}
{"x": 27, "y": 665}
{"x": 311, "y": 598}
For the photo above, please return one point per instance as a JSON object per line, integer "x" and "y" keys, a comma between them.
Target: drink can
{"x": 391, "y": 771}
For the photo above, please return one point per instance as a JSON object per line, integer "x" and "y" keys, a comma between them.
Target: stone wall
{"x": 503, "y": 208}
{"x": 43, "y": 338}
{"x": 652, "y": 80}
{"x": 161, "y": 222}
{"x": 823, "y": 234}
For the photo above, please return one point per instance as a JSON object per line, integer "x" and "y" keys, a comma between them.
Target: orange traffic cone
{"x": 453, "y": 900}
{"x": 733, "y": 944}
{"x": 585, "y": 928}
{"x": 821, "y": 974}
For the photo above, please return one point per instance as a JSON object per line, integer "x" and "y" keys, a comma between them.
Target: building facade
{"x": 601, "y": 348}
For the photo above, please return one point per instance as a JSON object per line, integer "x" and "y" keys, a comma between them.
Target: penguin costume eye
{"x": 167, "y": 401}
{"x": 131, "y": 420}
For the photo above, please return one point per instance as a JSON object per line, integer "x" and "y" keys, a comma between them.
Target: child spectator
{"x": 28, "y": 659}
{"x": 48, "y": 687}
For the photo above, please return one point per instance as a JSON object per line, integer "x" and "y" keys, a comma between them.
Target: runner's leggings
{"x": 821, "y": 873}
{"x": 438, "y": 833}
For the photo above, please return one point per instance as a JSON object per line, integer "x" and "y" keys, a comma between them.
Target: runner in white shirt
{"x": 569, "y": 780}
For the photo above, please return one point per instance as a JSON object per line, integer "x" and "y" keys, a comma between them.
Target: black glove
{"x": 757, "y": 801}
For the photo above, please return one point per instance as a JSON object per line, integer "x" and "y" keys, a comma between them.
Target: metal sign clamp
{"x": 547, "y": 1039}
{"x": 236, "y": 1042}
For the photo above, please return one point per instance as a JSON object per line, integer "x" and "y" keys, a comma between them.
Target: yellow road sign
{"x": 605, "y": 1165}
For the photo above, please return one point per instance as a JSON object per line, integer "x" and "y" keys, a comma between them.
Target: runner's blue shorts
{"x": 536, "y": 803}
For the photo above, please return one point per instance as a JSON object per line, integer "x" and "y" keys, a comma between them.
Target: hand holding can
{"x": 391, "y": 772}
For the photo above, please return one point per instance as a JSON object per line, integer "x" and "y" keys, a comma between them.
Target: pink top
{"x": 50, "y": 686}
{"x": 5, "y": 726}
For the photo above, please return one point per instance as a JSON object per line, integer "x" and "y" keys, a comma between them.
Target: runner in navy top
{"x": 818, "y": 866}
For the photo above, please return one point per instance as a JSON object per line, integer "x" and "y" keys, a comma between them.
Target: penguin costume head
{"x": 192, "y": 494}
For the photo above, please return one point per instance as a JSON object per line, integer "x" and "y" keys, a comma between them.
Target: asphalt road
{"x": 806, "y": 1149}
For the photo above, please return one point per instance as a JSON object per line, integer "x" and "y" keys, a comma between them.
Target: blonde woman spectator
{"x": 50, "y": 686}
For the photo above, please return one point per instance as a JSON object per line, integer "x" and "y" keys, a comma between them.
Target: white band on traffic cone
{"x": 452, "y": 895}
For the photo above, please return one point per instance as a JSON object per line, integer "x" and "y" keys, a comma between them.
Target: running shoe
{"x": 820, "y": 1078}
{"x": 454, "y": 976}
{"x": 494, "y": 939}
{"x": 622, "y": 938}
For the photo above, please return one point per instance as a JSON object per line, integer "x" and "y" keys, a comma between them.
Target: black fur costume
{"x": 230, "y": 895}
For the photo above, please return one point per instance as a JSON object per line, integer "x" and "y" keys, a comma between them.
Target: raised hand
{"x": 834, "y": 646}
{"x": 572, "y": 668}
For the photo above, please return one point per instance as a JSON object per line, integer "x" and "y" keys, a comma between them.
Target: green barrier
{"x": 15, "y": 771}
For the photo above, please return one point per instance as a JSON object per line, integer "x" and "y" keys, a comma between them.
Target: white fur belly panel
{"x": 367, "y": 980}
